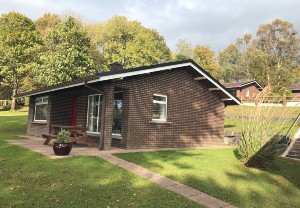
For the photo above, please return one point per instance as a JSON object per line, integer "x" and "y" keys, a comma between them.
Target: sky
{"x": 215, "y": 23}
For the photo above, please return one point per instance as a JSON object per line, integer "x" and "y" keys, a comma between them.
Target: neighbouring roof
{"x": 199, "y": 72}
{"x": 294, "y": 86}
{"x": 242, "y": 84}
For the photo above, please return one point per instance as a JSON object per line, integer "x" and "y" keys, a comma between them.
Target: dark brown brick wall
{"x": 253, "y": 91}
{"x": 195, "y": 114}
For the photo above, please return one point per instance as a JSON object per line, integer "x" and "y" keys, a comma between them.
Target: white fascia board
{"x": 251, "y": 83}
{"x": 216, "y": 84}
{"x": 146, "y": 71}
{"x": 55, "y": 89}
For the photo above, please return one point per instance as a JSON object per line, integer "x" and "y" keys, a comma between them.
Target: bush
{"x": 63, "y": 137}
{"x": 259, "y": 140}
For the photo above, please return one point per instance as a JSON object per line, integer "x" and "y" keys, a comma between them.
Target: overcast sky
{"x": 216, "y": 23}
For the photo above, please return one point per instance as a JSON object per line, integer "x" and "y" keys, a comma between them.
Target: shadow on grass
{"x": 229, "y": 126}
{"x": 226, "y": 178}
{"x": 32, "y": 180}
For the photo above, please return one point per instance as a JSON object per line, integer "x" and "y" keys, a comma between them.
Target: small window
{"x": 159, "y": 110}
{"x": 247, "y": 93}
{"x": 117, "y": 116}
{"x": 41, "y": 107}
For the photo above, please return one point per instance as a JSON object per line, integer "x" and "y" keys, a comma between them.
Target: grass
{"x": 219, "y": 173}
{"x": 291, "y": 112}
{"x": 29, "y": 179}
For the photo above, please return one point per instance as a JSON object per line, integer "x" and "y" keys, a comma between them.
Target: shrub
{"x": 63, "y": 137}
{"x": 259, "y": 140}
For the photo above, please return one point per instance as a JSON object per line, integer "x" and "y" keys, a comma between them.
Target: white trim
{"x": 42, "y": 103}
{"x": 87, "y": 114}
{"x": 116, "y": 136}
{"x": 146, "y": 71}
{"x": 163, "y": 103}
{"x": 251, "y": 83}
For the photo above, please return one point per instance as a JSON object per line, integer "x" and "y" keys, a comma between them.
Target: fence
{"x": 284, "y": 100}
{"x": 4, "y": 102}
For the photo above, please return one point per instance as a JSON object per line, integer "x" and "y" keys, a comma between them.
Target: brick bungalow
{"x": 244, "y": 89}
{"x": 295, "y": 90}
{"x": 167, "y": 105}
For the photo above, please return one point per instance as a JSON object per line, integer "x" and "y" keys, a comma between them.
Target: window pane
{"x": 159, "y": 111}
{"x": 117, "y": 117}
{"x": 41, "y": 112}
{"x": 159, "y": 98}
{"x": 94, "y": 114}
{"x": 39, "y": 100}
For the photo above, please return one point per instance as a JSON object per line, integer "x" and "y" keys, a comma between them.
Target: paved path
{"x": 36, "y": 145}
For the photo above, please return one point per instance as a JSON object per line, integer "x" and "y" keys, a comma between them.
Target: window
{"x": 117, "y": 117}
{"x": 41, "y": 107}
{"x": 93, "y": 117}
{"x": 247, "y": 93}
{"x": 159, "y": 110}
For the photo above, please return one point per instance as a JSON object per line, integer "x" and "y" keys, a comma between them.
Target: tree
{"x": 67, "y": 54}
{"x": 47, "y": 23}
{"x": 280, "y": 42}
{"x": 19, "y": 47}
{"x": 184, "y": 50}
{"x": 229, "y": 60}
{"x": 205, "y": 57}
{"x": 128, "y": 43}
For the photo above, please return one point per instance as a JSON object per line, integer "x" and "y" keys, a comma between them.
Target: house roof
{"x": 294, "y": 86}
{"x": 199, "y": 74}
{"x": 242, "y": 84}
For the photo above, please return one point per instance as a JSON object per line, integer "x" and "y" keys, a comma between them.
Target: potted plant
{"x": 62, "y": 145}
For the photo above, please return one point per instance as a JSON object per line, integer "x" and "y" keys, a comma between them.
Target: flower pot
{"x": 62, "y": 148}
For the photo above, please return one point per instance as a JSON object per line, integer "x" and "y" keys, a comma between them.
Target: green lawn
{"x": 289, "y": 112}
{"x": 29, "y": 179}
{"x": 219, "y": 173}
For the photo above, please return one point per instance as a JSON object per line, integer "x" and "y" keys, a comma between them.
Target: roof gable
{"x": 242, "y": 84}
{"x": 120, "y": 74}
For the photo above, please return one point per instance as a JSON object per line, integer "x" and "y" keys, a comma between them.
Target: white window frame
{"x": 42, "y": 103}
{"x": 87, "y": 115}
{"x": 160, "y": 102}
{"x": 247, "y": 93}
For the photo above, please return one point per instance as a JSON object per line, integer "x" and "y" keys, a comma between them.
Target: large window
{"x": 117, "y": 118}
{"x": 93, "y": 117}
{"x": 159, "y": 110}
{"x": 41, "y": 107}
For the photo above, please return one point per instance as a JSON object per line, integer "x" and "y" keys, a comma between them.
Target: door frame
{"x": 98, "y": 116}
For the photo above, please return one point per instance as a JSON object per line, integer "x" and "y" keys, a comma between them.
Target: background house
{"x": 174, "y": 104}
{"x": 244, "y": 89}
{"x": 295, "y": 90}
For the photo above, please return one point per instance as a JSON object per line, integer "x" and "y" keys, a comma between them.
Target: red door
{"x": 74, "y": 111}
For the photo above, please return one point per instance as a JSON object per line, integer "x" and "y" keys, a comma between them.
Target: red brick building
{"x": 295, "y": 90}
{"x": 175, "y": 104}
{"x": 244, "y": 89}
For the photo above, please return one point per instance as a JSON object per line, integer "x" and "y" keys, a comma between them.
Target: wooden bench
{"x": 48, "y": 138}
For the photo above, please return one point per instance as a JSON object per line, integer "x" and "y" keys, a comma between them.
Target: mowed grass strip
{"x": 277, "y": 112}
{"x": 29, "y": 179}
{"x": 219, "y": 173}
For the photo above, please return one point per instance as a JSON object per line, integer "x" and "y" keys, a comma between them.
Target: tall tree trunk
{"x": 13, "y": 100}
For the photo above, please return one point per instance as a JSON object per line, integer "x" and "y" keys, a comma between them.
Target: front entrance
{"x": 94, "y": 113}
